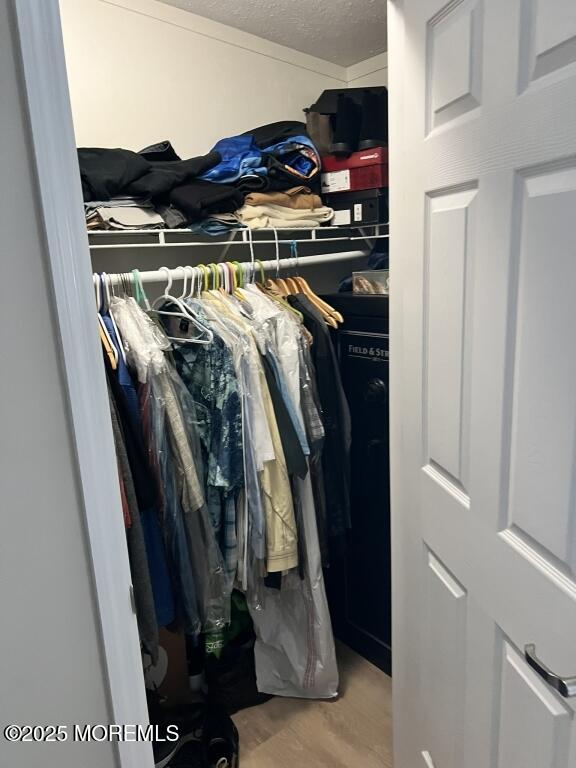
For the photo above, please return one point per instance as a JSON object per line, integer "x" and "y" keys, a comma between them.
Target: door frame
{"x": 404, "y": 509}
{"x": 44, "y": 86}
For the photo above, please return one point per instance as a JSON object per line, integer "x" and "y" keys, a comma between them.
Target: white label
{"x": 357, "y": 211}
{"x": 341, "y": 217}
{"x": 336, "y": 181}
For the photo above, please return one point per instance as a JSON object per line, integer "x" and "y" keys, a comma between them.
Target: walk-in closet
{"x": 287, "y": 393}
{"x": 234, "y": 175}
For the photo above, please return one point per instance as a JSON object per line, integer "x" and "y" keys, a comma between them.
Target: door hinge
{"x": 132, "y": 599}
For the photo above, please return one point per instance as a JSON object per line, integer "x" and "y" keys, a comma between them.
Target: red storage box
{"x": 367, "y": 169}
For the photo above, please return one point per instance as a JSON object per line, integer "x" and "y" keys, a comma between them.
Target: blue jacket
{"x": 241, "y": 156}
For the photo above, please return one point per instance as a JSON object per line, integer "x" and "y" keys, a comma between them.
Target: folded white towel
{"x": 282, "y": 217}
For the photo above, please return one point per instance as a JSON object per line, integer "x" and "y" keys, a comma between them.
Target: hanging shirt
{"x": 126, "y": 403}
{"x": 139, "y": 567}
{"x": 281, "y": 536}
{"x": 336, "y": 418}
{"x": 209, "y": 374}
{"x": 146, "y": 344}
{"x": 250, "y": 517}
{"x": 277, "y": 335}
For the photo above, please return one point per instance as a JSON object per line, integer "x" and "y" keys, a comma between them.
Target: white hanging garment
{"x": 294, "y": 652}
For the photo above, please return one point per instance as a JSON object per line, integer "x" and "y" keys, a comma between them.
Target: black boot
{"x": 348, "y": 117}
{"x": 320, "y": 131}
{"x": 374, "y": 129}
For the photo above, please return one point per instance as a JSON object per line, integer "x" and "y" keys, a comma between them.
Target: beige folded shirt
{"x": 299, "y": 198}
{"x": 281, "y": 217}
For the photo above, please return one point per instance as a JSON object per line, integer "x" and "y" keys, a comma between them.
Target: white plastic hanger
{"x": 109, "y": 346}
{"x": 184, "y": 283}
{"x": 192, "y": 272}
{"x": 252, "y": 256}
{"x": 185, "y": 312}
{"x": 106, "y": 282}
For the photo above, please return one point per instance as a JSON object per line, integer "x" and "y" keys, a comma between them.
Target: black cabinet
{"x": 359, "y": 579}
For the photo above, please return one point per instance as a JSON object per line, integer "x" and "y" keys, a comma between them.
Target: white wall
{"x": 141, "y": 71}
{"x": 370, "y": 72}
{"x": 51, "y": 669}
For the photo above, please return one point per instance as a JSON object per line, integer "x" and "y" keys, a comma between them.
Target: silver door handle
{"x": 566, "y": 686}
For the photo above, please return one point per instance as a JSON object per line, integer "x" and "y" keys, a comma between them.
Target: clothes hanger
{"x": 106, "y": 283}
{"x": 195, "y": 288}
{"x": 193, "y": 272}
{"x": 230, "y": 277}
{"x": 248, "y": 269}
{"x": 277, "y": 284}
{"x": 140, "y": 293}
{"x": 203, "y": 284}
{"x": 214, "y": 296}
{"x": 214, "y": 293}
{"x": 270, "y": 288}
{"x": 196, "y": 285}
{"x": 215, "y": 274}
{"x": 261, "y": 267}
{"x": 239, "y": 274}
{"x": 96, "y": 285}
{"x": 303, "y": 287}
{"x": 184, "y": 312}
{"x": 106, "y": 346}
{"x": 105, "y": 339}
{"x": 104, "y": 308}
{"x": 223, "y": 279}
{"x": 291, "y": 286}
{"x": 184, "y": 283}
{"x": 324, "y": 307}
{"x": 109, "y": 349}
{"x": 237, "y": 279}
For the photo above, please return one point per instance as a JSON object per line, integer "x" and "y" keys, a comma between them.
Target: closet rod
{"x": 159, "y": 276}
{"x": 226, "y": 243}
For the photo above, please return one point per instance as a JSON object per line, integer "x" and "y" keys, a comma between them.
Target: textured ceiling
{"x": 341, "y": 31}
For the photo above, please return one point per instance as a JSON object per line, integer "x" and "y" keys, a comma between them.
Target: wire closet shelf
{"x": 181, "y": 238}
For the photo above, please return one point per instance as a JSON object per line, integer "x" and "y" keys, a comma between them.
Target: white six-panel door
{"x": 483, "y": 351}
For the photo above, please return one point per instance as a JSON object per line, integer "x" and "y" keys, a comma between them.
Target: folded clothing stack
{"x": 127, "y": 190}
{"x": 299, "y": 198}
{"x": 295, "y": 208}
{"x": 154, "y": 188}
{"x": 122, "y": 213}
{"x": 280, "y": 217}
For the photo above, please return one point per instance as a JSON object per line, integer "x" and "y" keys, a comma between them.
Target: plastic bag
{"x": 294, "y": 652}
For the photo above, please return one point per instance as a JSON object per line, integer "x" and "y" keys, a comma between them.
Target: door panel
{"x": 549, "y": 35}
{"x": 483, "y": 385}
{"x": 445, "y": 627}
{"x": 454, "y": 49}
{"x": 534, "y": 724}
{"x": 543, "y": 451}
{"x": 447, "y": 395}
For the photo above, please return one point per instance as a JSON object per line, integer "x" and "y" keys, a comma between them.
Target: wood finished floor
{"x": 353, "y": 731}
